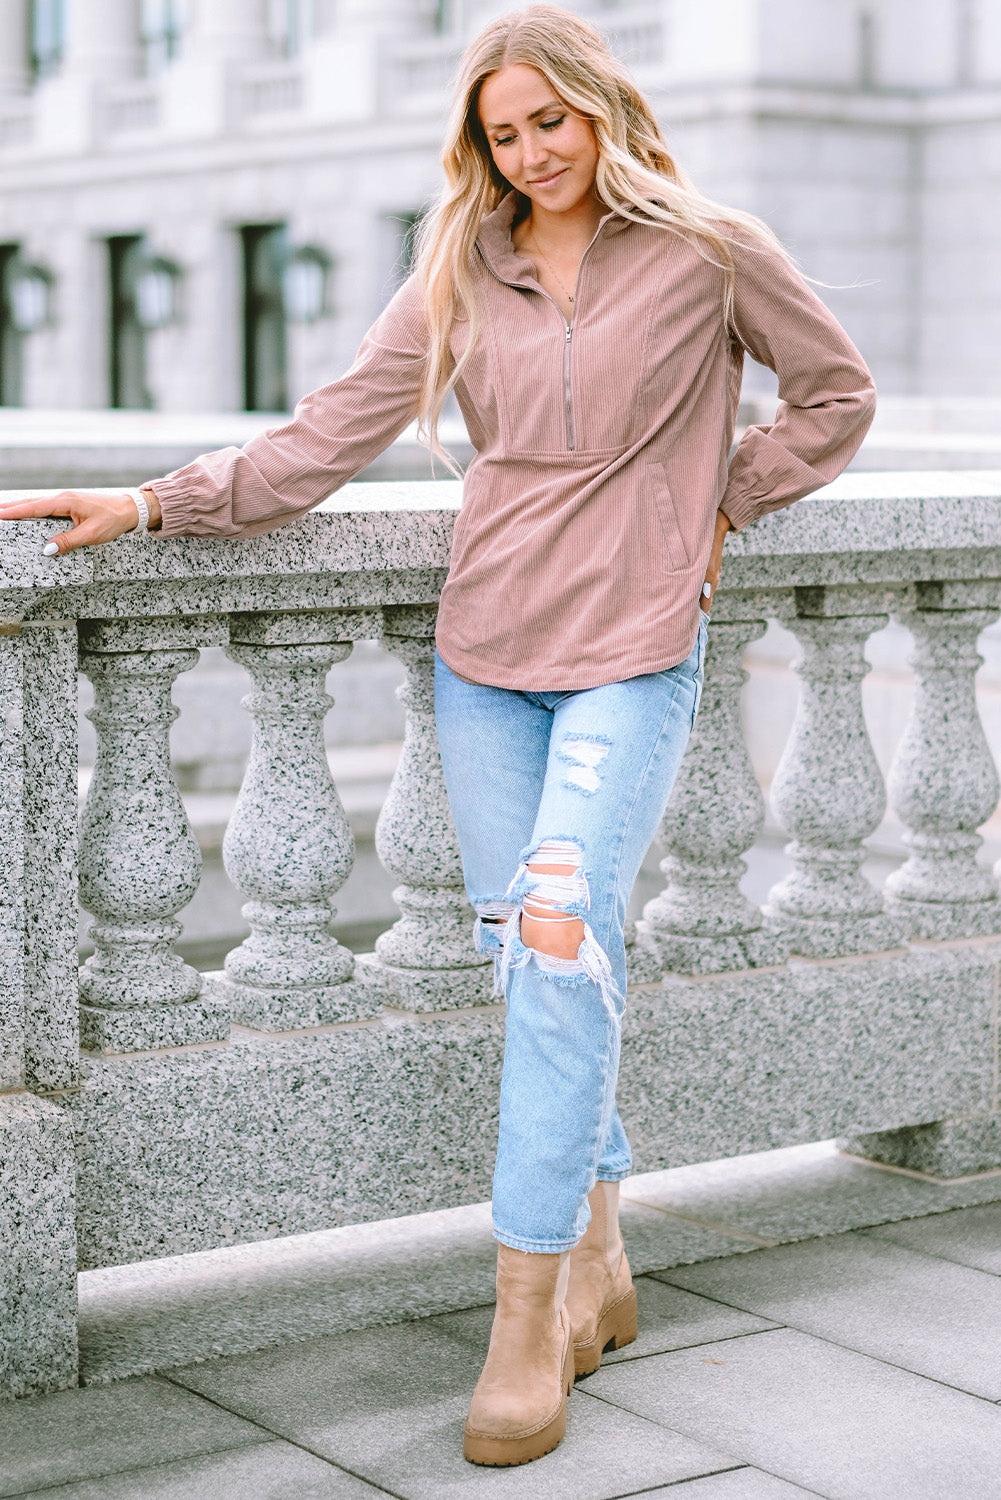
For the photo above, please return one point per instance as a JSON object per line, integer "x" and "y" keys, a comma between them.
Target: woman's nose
{"x": 535, "y": 154}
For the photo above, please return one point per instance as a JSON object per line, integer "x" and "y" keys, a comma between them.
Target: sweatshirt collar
{"x": 511, "y": 265}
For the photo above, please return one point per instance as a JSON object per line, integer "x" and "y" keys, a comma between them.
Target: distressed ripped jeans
{"x": 575, "y": 782}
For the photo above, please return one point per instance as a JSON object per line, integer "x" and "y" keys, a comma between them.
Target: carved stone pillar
{"x": 828, "y": 792}
{"x": 943, "y": 783}
{"x": 701, "y": 922}
{"x": 426, "y": 961}
{"x": 289, "y": 846}
{"x": 14, "y": 78}
{"x": 139, "y": 860}
{"x": 102, "y": 41}
{"x": 230, "y": 30}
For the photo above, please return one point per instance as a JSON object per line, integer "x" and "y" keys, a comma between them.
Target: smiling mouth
{"x": 545, "y": 181}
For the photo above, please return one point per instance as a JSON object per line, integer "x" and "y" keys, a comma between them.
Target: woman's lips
{"x": 548, "y": 181}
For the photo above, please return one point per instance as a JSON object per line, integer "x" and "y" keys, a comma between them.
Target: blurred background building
{"x": 203, "y": 203}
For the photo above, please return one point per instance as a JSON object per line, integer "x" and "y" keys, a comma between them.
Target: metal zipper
{"x": 566, "y": 342}
{"x": 566, "y": 383}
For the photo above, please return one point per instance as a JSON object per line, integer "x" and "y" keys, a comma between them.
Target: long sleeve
{"x": 826, "y": 394}
{"x": 334, "y": 432}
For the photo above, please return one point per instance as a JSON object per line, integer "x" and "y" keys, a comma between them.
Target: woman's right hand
{"x": 96, "y": 518}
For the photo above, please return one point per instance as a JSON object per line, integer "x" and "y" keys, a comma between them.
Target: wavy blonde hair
{"x": 636, "y": 177}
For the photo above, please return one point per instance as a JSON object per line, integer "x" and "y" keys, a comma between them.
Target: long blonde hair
{"x": 636, "y": 177}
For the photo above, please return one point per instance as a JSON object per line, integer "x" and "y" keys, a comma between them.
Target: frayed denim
{"x": 577, "y": 782}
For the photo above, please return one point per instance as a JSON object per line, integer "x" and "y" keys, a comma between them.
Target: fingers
{"x": 23, "y": 510}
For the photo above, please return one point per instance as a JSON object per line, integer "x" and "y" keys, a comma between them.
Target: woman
{"x": 590, "y": 310}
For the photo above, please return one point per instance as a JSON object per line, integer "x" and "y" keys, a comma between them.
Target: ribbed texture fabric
{"x": 601, "y": 460}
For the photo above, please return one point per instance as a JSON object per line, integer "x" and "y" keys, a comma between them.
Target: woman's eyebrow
{"x": 506, "y": 125}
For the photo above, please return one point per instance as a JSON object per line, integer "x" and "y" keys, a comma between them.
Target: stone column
{"x": 38, "y": 1259}
{"x": 230, "y": 30}
{"x": 14, "y": 76}
{"x": 289, "y": 846}
{"x": 828, "y": 791}
{"x": 701, "y": 923}
{"x": 393, "y": 18}
{"x": 139, "y": 860}
{"x": 102, "y": 41}
{"x": 943, "y": 783}
{"x": 49, "y": 656}
{"x": 426, "y": 961}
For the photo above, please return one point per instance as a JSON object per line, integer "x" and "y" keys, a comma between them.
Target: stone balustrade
{"x": 148, "y": 1110}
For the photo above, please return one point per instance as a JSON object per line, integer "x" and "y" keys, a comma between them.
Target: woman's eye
{"x": 504, "y": 140}
{"x": 552, "y": 124}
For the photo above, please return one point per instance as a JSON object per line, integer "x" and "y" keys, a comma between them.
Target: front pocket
{"x": 676, "y": 553}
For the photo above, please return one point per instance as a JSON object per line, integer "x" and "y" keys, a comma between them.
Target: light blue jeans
{"x": 579, "y": 780}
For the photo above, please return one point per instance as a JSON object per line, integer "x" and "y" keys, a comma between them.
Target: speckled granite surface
{"x": 11, "y": 865}
{"x": 50, "y": 854}
{"x": 38, "y": 1345}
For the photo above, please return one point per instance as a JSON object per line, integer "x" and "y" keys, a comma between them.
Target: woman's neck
{"x": 566, "y": 233}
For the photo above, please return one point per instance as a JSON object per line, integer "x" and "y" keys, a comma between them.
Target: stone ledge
{"x": 284, "y": 1134}
{"x": 137, "y": 1319}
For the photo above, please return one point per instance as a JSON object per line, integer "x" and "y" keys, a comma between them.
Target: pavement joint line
{"x": 724, "y": 1338}
{"x": 284, "y": 1438}
{"x": 161, "y": 1463}
{"x": 823, "y": 1338}
{"x": 670, "y": 1484}
{"x": 913, "y": 1249}
{"x": 739, "y": 1462}
{"x": 734, "y": 1234}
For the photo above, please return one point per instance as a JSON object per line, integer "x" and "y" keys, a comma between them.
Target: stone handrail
{"x": 147, "y": 1110}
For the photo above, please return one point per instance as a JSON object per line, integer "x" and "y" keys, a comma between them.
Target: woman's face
{"x": 542, "y": 148}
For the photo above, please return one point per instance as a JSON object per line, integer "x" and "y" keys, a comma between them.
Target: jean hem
{"x": 615, "y": 1176}
{"x": 533, "y": 1247}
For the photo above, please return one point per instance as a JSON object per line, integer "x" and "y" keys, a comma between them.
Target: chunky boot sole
{"x": 616, "y": 1328}
{"x": 523, "y": 1447}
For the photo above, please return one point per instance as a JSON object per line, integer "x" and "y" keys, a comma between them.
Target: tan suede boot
{"x": 519, "y": 1407}
{"x": 601, "y": 1298}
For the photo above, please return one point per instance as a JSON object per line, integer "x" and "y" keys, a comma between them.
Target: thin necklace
{"x": 569, "y": 295}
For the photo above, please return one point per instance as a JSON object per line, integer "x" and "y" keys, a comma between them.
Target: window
{"x": 162, "y": 25}
{"x": 265, "y": 360}
{"x": 11, "y": 352}
{"x": 290, "y": 25}
{"x": 126, "y": 334}
{"x": 48, "y": 36}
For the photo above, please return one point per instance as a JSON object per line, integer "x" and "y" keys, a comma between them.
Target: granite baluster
{"x": 289, "y": 846}
{"x": 828, "y": 791}
{"x": 943, "y": 783}
{"x": 426, "y": 960}
{"x": 139, "y": 860}
{"x": 702, "y": 922}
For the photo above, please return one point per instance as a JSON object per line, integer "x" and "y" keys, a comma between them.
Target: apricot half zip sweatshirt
{"x": 601, "y": 447}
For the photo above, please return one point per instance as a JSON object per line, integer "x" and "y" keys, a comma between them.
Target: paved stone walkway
{"x": 865, "y": 1364}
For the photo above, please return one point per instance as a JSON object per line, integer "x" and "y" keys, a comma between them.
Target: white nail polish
{"x": 50, "y": 549}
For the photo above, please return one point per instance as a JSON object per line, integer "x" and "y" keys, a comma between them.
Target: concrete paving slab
{"x": 839, "y": 1423}
{"x": 389, "y": 1405}
{"x": 969, "y": 1236}
{"x": 669, "y": 1318}
{"x": 82, "y": 1434}
{"x": 924, "y": 1314}
{"x": 266, "y": 1471}
{"x": 734, "y": 1484}
{"x": 801, "y": 1192}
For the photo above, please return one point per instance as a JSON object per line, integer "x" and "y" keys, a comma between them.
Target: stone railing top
{"x": 389, "y": 542}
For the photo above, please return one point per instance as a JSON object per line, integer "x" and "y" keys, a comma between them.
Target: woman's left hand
{"x": 714, "y": 567}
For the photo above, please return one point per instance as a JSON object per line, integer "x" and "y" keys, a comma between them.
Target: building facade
{"x": 203, "y": 203}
